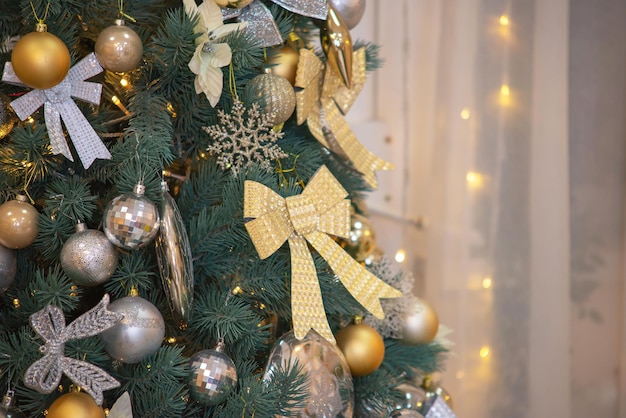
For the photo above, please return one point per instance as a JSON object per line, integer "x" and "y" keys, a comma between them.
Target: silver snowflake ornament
{"x": 45, "y": 374}
{"x": 244, "y": 138}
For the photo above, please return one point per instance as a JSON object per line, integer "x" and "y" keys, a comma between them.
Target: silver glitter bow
{"x": 45, "y": 374}
{"x": 261, "y": 23}
{"x": 58, "y": 104}
{"x": 440, "y": 409}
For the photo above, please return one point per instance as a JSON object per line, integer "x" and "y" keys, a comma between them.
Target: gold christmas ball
{"x": 420, "y": 324}
{"x": 40, "y": 60}
{"x": 361, "y": 241}
{"x": 363, "y": 348}
{"x": 277, "y": 94}
{"x": 233, "y": 4}
{"x": 75, "y": 405}
{"x": 18, "y": 223}
{"x": 285, "y": 63}
{"x": 119, "y": 48}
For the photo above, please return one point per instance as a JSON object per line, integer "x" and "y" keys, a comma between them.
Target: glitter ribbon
{"x": 58, "y": 104}
{"x": 261, "y": 23}
{"x": 324, "y": 100}
{"x": 45, "y": 374}
{"x": 320, "y": 210}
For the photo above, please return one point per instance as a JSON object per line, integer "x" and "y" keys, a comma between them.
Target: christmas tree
{"x": 183, "y": 229}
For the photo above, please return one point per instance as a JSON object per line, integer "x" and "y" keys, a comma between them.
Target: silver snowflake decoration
{"x": 244, "y": 138}
{"x": 45, "y": 374}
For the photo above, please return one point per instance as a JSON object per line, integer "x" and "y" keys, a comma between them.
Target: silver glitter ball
{"x": 8, "y": 268}
{"x": 276, "y": 93}
{"x": 212, "y": 376}
{"x": 138, "y": 334}
{"x": 131, "y": 220}
{"x": 88, "y": 257}
{"x": 351, "y": 11}
{"x": 330, "y": 391}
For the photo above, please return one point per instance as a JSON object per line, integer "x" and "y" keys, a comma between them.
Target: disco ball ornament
{"x": 8, "y": 408}
{"x": 420, "y": 323}
{"x": 362, "y": 346}
{"x": 19, "y": 222}
{"x": 351, "y": 11}
{"x": 88, "y": 257}
{"x": 75, "y": 405}
{"x": 40, "y": 60}
{"x": 138, "y": 334}
{"x": 276, "y": 94}
{"x": 8, "y": 268}
{"x": 7, "y": 116}
{"x": 119, "y": 48}
{"x": 330, "y": 391}
{"x": 212, "y": 376}
{"x": 131, "y": 220}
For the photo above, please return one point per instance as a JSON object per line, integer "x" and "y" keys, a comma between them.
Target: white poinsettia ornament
{"x": 211, "y": 54}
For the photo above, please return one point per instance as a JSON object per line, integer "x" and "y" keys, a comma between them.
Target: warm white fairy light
{"x": 400, "y": 255}
{"x": 465, "y": 114}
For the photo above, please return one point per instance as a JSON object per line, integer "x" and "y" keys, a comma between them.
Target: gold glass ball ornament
{"x": 420, "y": 323}
{"x": 40, "y": 59}
{"x": 7, "y": 116}
{"x": 19, "y": 222}
{"x": 75, "y": 405}
{"x": 285, "y": 63}
{"x": 362, "y": 346}
{"x": 361, "y": 241}
{"x": 119, "y": 48}
{"x": 276, "y": 93}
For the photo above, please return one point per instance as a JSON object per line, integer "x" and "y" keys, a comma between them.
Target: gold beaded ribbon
{"x": 321, "y": 209}
{"x": 323, "y": 101}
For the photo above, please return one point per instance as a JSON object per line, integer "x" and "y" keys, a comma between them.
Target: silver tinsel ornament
{"x": 351, "y": 11}
{"x": 7, "y": 116}
{"x": 212, "y": 375}
{"x": 8, "y": 268}
{"x": 276, "y": 93}
{"x": 331, "y": 393}
{"x": 88, "y": 257}
{"x": 131, "y": 220}
{"x": 175, "y": 259}
{"x": 8, "y": 408}
{"x": 136, "y": 336}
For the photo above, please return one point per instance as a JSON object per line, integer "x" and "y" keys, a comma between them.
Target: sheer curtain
{"x": 505, "y": 119}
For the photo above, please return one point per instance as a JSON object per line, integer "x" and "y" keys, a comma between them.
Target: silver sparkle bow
{"x": 45, "y": 374}
{"x": 58, "y": 104}
{"x": 261, "y": 22}
{"x": 439, "y": 409}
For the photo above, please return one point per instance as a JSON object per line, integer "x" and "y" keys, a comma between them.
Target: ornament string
{"x": 120, "y": 5}
{"x": 232, "y": 83}
{"x": 45, "y": 15}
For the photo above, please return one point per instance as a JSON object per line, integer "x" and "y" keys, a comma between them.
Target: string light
{"x": 124, "y": 82}
{"x": 505, "y": 90}
{"x": 474, "y": 180}
{"x": 117, "y": 102}
{"x": 465, "y": 114}
{"x": 400, "y": 255}
{"x": 487, "y": 282}
{"x": 30, "y": 120}
{"x": 484, "y": 351}
{"x": 504, "y": 20}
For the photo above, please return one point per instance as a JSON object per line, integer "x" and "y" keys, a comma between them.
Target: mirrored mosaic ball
{"x": 213, "y": 375}
{"x": 131, "y": 221}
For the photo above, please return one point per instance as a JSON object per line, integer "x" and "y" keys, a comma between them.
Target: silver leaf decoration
{"x": 45, "y": 374}
{"x": 122, "y": 407}
{"x": 58, "y": 105}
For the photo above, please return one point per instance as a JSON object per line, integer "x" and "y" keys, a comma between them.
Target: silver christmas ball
{"x": 119, "y": 48}
{"x": 276, "y": 93}
{"x": 414, "y": 397}
{"x": 8, "y": 408}
{"x": 136, "y": 336}
{"x": 351, "y": 11}
{"x": 131, "y": 220}
{"x": 88, "y": 257}
{"x": 8, "y": 268}
{"x": 212, "y": 376}
{"x": 420, "y": 323}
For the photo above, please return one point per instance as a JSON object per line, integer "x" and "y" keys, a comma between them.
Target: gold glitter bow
{"x": 323, "y": 101}
{"x": 320, "y": 210}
